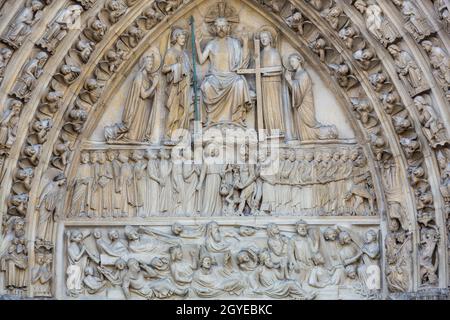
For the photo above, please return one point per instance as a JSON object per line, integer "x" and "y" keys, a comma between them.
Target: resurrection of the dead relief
{"x": 206, "y": 149}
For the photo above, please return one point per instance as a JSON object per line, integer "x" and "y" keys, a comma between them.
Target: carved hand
{"x": 198, "y": 36}
{"x": 288, "y": 76}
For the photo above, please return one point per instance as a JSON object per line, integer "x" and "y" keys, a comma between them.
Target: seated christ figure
{"x": 226, "y": 94}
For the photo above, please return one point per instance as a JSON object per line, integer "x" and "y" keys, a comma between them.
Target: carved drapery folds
{"x": 114, "y": 65}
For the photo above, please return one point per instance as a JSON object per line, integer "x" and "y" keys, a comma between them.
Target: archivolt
{"x": 385, "y": 144}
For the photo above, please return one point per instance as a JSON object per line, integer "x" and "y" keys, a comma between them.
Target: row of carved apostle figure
{"x": 212, "y": 260}
{"x": 158, "y": 183}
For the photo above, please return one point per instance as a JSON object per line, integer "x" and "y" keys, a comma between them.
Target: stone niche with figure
{"x": 211, "y": 149}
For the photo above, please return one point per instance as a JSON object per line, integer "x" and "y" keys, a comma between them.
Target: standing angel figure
{"x": 301, "y": 87}
{"x": 177, "y": 68}
{"x": 271, "y": 83}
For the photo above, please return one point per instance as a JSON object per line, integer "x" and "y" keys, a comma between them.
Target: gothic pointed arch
{"x": 349, "y": 98}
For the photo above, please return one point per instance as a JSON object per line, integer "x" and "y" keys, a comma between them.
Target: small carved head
{"x": 427, "y": 45}
{"x": 93, "y": 157}
{"x": 76, "y": 11}
{"x": 91, "y": 84}
{"x": 297, "y": 16}
{"x": 19, "y": 226}
{"x": 98, "y": 25}
{"x": 131, "y": 233}
{"x": 266, "y": 38}
{"x": 292, "y": 155}
{"x": 176, "y": 253}
{"x": 179, "y": 36}
{"x": 36, "y": 5}
{"x": 296, "y": 61}
{"x": 302, "y": 228}
{"x": 113, "y": 235}
{"x": 6, "y": 53}
{"x": 23, "y": 174}
{"x": 110, "y": 155}
{"x": 394, "y": 225}
{"x": 16, "y": 106}
{"x": 65, "y": 69}
{"x": 222, "y": 27}
{"x": 123, "y": 158}
{"x": 97, "y": 234}
{"x": 361, "y": 6}
{"x": 265, "y": 259}
{"x": 41, "y": 57}
{"x": 60, "y": 179}
{"x": 177, "y": 228}
{"x": 243, "y": 257}
{"x": 394, "y": 50}
{"x": 330, "y": 234}
{"x": 213, "y": 229}
{"x": 133, "y": 265}
{"x": 120, "y": 264}
{"x": 272, "y": 230}
{"x": 350, "y": 272}
{"x": 420, "y": 102}
{"x": 101, "y": 157}
{"x": 30, "y": 151}
{"x": 151, "y": 155}
{"x": 147, "y": 63}
{"x": 206, "y": 262}
{"x": 371, "y": 236}
{"x": 344, "y": 238}
{"x": 40, "y": 258}
{"x": 76, "y": 236}
{"x": 309, "y": 157}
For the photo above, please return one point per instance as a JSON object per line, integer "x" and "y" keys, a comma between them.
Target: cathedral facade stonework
{"x": 209, "y": 149}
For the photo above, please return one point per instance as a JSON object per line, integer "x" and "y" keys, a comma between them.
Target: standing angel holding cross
{"x": 272, "y": 100}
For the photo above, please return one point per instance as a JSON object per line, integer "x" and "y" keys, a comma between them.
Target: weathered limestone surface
{"x": 208, "y": 149}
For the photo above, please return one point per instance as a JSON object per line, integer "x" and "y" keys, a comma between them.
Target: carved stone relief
{"x": 211, "y": 261}
{"x": 120, "y": 117}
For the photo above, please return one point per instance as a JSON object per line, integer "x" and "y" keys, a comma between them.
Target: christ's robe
{"x": 225, "y": 93}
